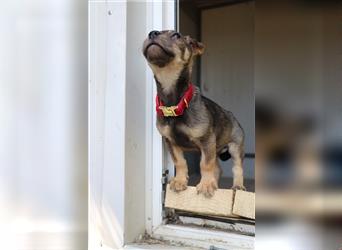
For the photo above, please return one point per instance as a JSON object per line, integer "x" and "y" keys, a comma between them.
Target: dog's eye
{"x": 176, "y": 35}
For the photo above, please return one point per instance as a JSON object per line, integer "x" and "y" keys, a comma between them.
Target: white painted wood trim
{"x": 236, "y": 226}
{"x": 159, "y": 247}
{"x": 149, "y": 134}
{"x": 169, "y": 23}
{"x": 200, "y": 237}
{"x": 157, "y": 146}
{"x": 160, "y": 16}
{"x": 107, "y": 46}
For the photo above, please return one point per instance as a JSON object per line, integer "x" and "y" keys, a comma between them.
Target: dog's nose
{"x": 153, "y": 34}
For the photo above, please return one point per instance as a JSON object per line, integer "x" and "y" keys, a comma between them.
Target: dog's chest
{"x": 177, "y": 133}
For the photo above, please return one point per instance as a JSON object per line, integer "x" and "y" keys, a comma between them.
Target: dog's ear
{"x": 197, "y": 47}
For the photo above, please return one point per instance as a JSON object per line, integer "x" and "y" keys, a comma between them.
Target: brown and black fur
{"x": 204, "y": 126}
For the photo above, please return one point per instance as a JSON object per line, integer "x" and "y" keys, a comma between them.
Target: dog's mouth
{"x": 160, "y": 47}
{"x": 157, "y": 54}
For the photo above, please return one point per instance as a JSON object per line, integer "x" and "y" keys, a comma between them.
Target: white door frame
{"x": 114, "y": 205}
{"x": 161, "y": 16}
{"x": 109, "y": 68}
{"x": 164, "y": 16}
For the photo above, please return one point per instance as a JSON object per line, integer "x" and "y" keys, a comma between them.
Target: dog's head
{"x": 162, "y": 48}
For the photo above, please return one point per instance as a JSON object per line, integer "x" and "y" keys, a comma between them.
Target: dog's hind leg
{"x": 237, "y": 152}
{"x": 180, "y": 181}
{"x": 210, "y": 171}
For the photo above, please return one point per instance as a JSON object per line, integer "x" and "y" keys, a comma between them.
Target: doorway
{"x": 225, "y": 72}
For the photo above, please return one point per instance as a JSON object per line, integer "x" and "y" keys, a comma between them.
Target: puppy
{"x": 187, "y": 120}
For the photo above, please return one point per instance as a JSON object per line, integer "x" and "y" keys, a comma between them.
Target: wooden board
{"x": 244, "y": 204}
{"x": 220, "y": 203}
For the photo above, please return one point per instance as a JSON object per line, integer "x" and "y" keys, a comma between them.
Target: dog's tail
{"x": 224, "y": 154}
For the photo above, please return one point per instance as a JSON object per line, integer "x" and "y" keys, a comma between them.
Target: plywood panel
{"x": 244, "y": 204}
{"x": 188, "y": 200}
{"x": 223, "y": 203}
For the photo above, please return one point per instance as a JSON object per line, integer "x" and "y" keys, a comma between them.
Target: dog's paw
{"x": 178, "y": 184}
{"x": 207, "y": 187}
{"x": 238, "y": 187}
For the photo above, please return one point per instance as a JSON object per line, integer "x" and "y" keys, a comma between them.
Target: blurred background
{"x": 43, "y": 124}
{"x": 298, "y": 70}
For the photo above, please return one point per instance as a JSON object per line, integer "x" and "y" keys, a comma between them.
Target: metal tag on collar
{"x": 169, "y": 111}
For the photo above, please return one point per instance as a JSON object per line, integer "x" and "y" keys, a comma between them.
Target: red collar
{"x": 175, "y": 110}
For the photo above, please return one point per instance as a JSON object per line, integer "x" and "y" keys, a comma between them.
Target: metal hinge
{"x": 164, "y": 181}
{"x": 216, "y": 248}
{"x": 165, "y": 177}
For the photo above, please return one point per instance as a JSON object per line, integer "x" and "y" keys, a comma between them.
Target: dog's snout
{"x": 153, "y": 34}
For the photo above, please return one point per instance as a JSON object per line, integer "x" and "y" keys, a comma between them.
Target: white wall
{"x": 227, "y": 68}
{"x": 43, "y": 122}
{"x": 107, "y": 76}
{"x": 189, "y": 24}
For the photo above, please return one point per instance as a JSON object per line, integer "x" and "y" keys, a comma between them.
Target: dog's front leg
{"x": 180, "y": 181}
{"x": 210, "y": 171}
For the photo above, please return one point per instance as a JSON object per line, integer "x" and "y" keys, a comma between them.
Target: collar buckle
{"x": 168, "y": 111}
